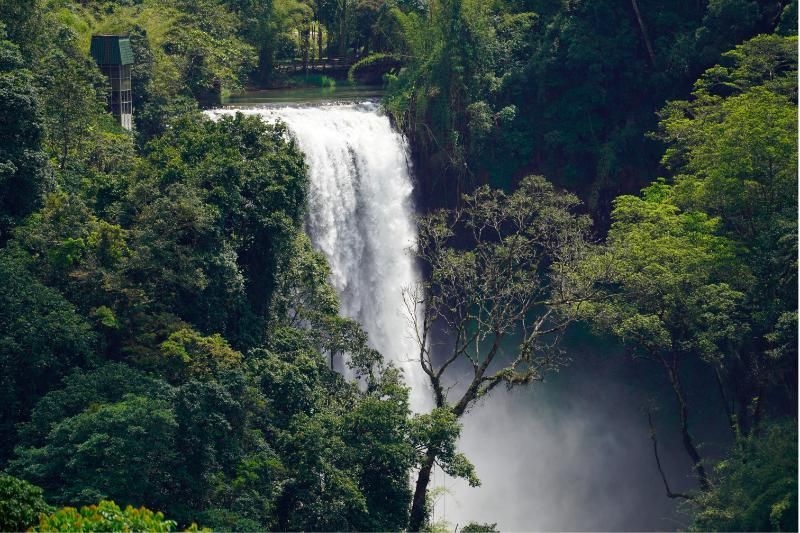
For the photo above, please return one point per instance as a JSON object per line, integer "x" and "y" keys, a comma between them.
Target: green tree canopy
{"x": 23, "y": 170}
{"x": 756, "y": 489}
{"x": 106, "y": 516}
{"x": 20, "y": 504}
{"x": 42, "y": 338}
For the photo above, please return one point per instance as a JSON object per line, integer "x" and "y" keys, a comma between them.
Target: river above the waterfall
{"x": 341, "y": 92}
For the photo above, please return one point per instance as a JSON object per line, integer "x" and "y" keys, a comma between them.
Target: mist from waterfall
{"x": 361, "y": 216}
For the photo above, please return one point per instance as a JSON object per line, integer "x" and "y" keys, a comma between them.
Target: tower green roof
{"x": 111, "y": 50}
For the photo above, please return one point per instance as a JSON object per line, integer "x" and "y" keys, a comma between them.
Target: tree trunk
{"x": 342, "y": 29}
{"x": 688, "y": 441}
{"x": 643, "y": 29}
{"x": 306, "y": 48}
{"x": 265, "y": 62}
{"x": 726, "y": 404}
{"x": 319, "y": 45}
{"x": 417, "y": 517}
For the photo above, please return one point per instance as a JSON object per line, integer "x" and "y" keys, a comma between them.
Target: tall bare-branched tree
{"x": 495, "y": 299}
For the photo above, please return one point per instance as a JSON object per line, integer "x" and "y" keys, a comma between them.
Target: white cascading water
{"x": 361, "y": 216}
{"x": 542, "y": 467}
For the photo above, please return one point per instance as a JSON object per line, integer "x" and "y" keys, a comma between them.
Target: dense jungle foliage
{"x": 493, "y": 91}
{"x": 167, "y": 329}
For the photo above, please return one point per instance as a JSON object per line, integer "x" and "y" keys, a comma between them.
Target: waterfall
{"x": 545, "y": 454}
{"x": 360, "y": 215}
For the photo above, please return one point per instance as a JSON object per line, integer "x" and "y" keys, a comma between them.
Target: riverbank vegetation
{"x": 167, "y": 330}
{"x": 493, "y": 91}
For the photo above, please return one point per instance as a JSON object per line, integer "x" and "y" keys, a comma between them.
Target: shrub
{"x": 20, "y": 504}
{"x": 757, "y": 485}
{"x": 106, "y": 516}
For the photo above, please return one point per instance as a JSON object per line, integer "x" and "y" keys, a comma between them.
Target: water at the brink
{"x": 361, "y": 216}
